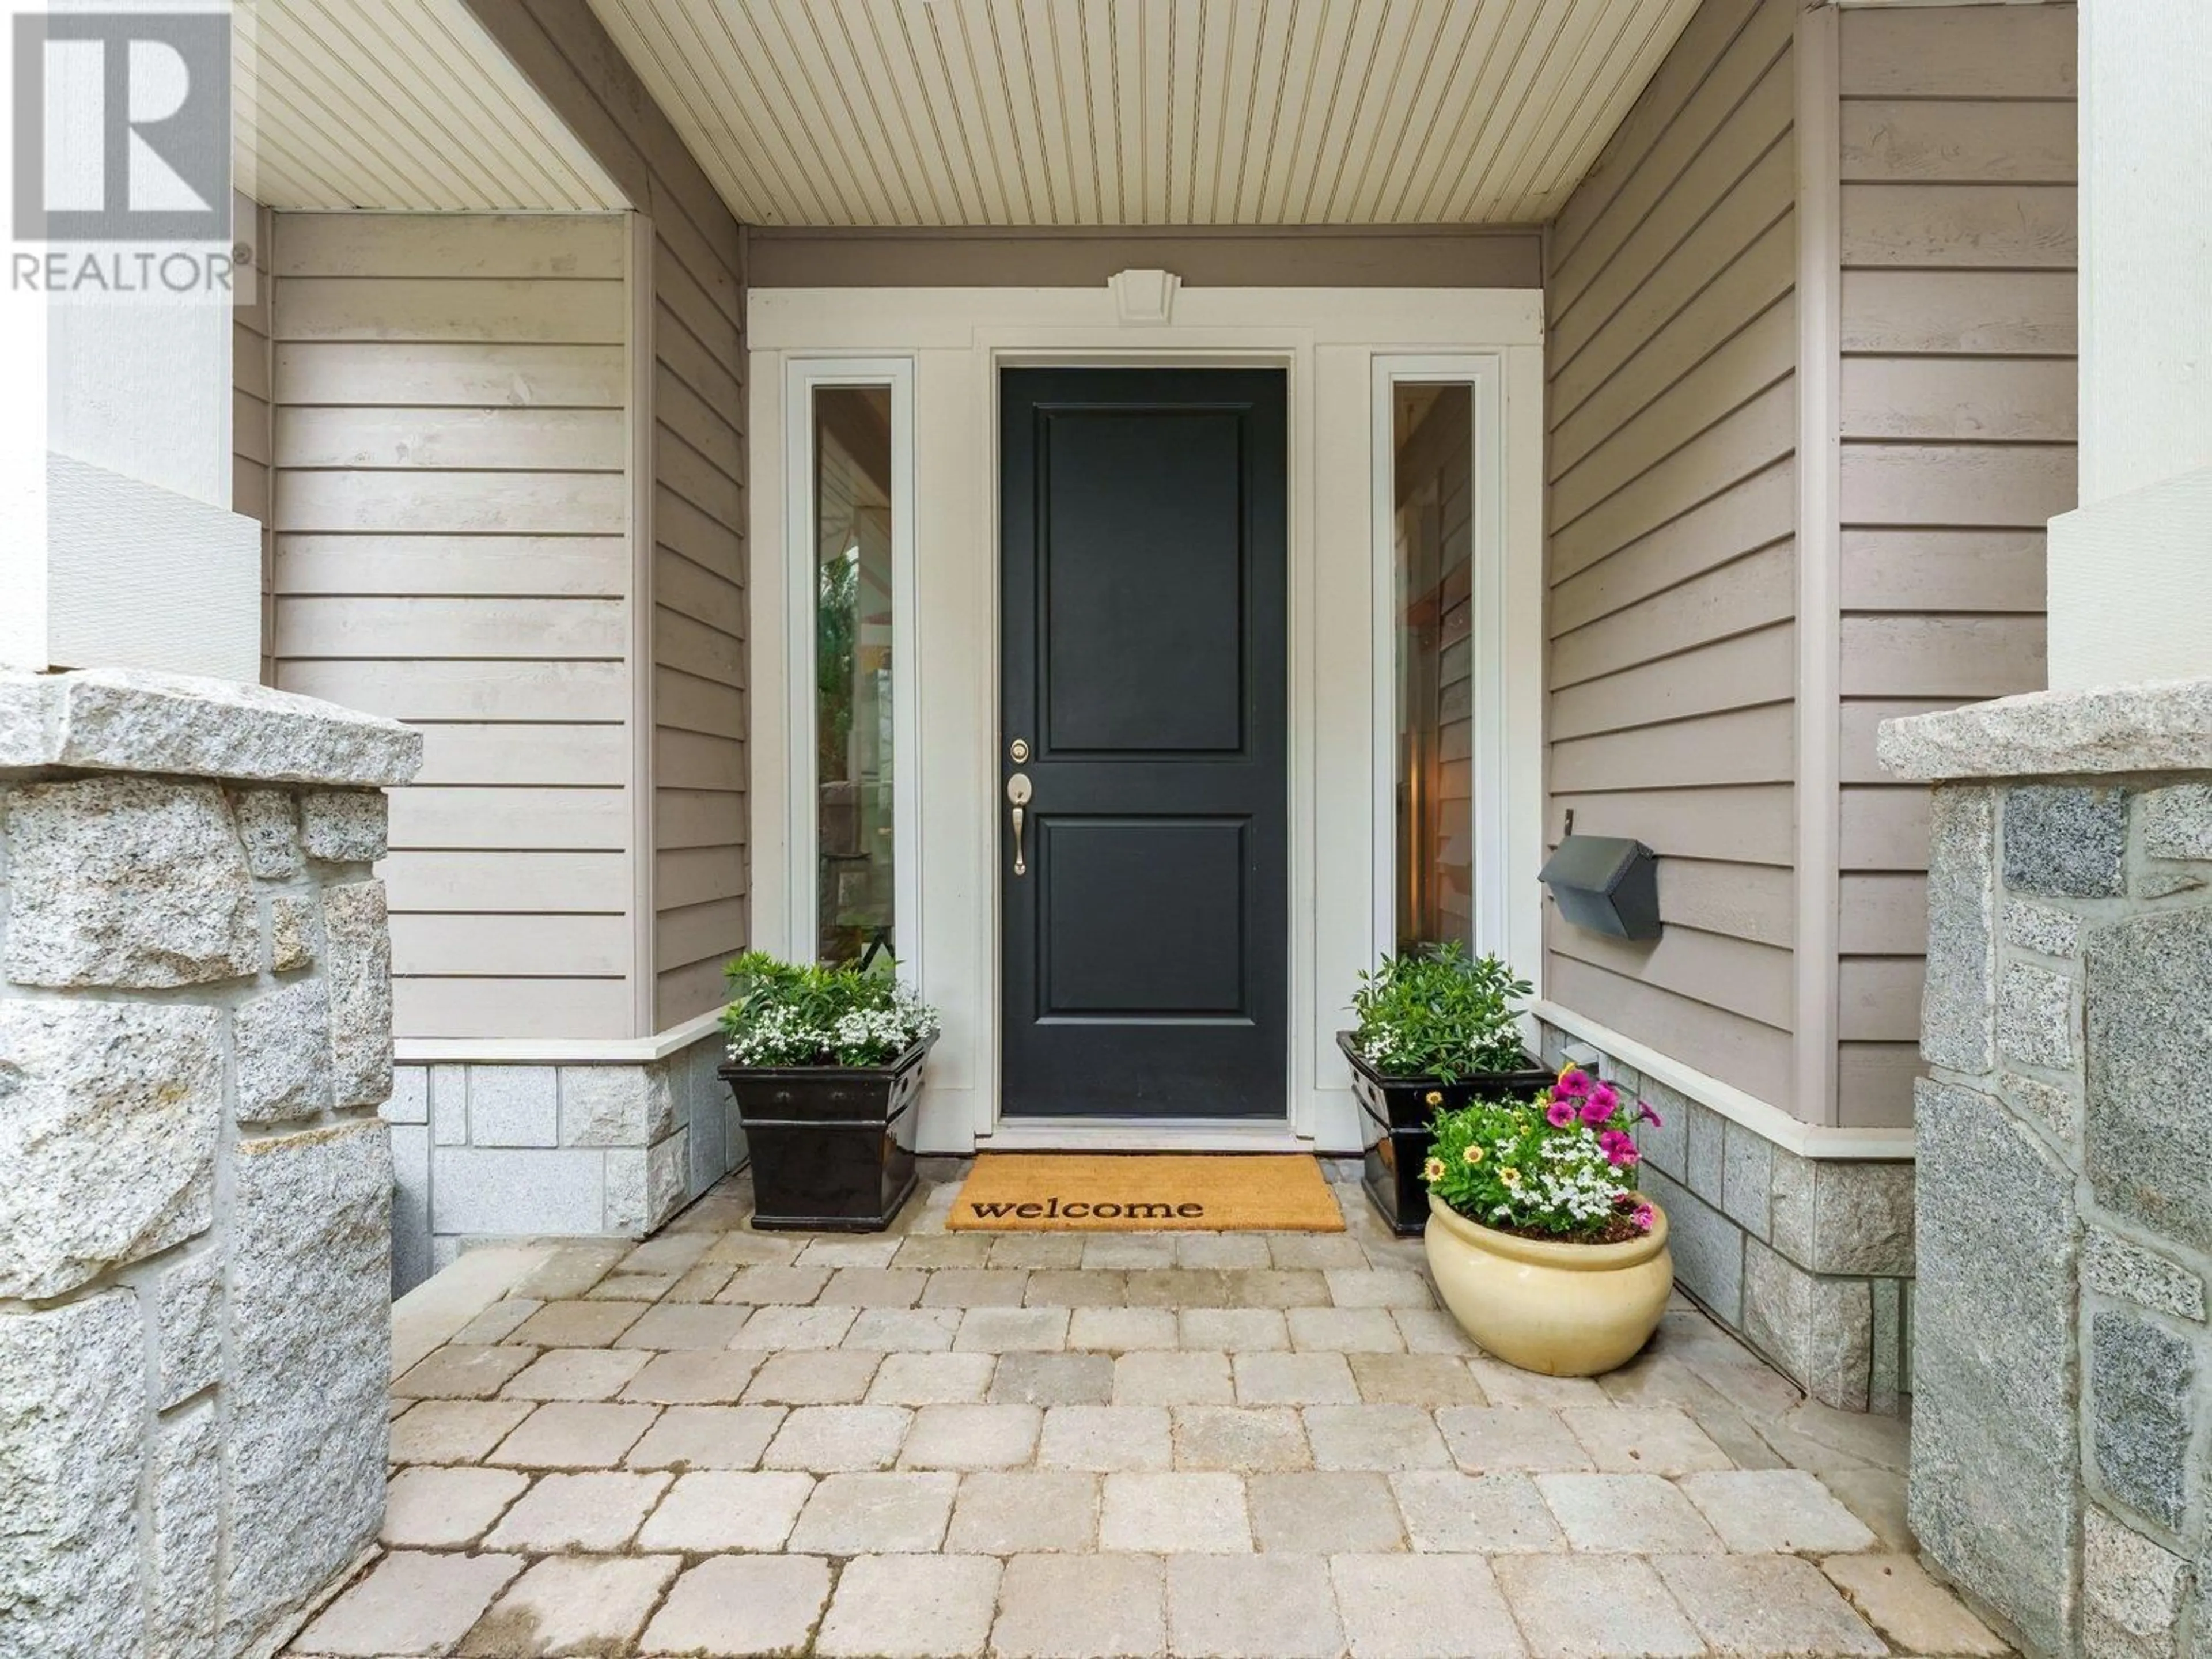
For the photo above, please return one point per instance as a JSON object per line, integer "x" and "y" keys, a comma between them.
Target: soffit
{"x": 1144, "y": 111}
{"x": 405, "y": 104}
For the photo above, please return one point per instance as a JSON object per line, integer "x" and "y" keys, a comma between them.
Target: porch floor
{"x": 723, "y": 1442}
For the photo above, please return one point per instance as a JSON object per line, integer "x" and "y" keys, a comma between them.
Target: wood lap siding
{"x": 451, "y": 548}
{"x": 1671, "y": 558}
{"x": 251, "y": 422}
{"x": 1959, "y": 403}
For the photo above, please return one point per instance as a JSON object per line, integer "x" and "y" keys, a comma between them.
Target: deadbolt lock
{"x": 1019, "y": 751}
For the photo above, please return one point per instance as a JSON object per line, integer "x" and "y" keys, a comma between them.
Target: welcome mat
{"x": 1145, "y": 1193}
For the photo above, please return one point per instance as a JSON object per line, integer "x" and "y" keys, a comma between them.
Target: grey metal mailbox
{"x": 1607, "y": 883}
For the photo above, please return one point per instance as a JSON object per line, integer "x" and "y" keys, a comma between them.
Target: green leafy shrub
{"x": 1561, "y": 1164}
{"x": 783, "y": 1014}
{"x": 1439, "y": 1013}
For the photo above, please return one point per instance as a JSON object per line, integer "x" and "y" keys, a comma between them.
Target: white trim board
{"x": 535, "y": 1051}
{"x": 1328, "y": 342}
{"x": 1766, "y": 1121}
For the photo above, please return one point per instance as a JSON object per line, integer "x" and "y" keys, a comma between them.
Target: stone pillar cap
{"x": 129, "y": 720}
{"x": 2162, "y": 725}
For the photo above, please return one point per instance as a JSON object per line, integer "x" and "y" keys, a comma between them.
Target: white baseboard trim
{"x": 1760, "y": 1117}
{"x": 539, "y": 1051}
{"x": 1141, "y": 1135}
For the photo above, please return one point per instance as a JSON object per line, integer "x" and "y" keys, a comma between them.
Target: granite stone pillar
{"x": 195, "y": 1037}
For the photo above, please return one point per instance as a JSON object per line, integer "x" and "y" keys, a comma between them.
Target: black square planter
{"x": 832, "y": 1146}
{"x": 1396, "y": 1113}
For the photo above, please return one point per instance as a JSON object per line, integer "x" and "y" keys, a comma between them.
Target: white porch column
{"x": 2130, "y": 597}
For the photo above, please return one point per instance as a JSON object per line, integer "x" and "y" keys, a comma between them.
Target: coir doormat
{"x": 1145, "y": 1193}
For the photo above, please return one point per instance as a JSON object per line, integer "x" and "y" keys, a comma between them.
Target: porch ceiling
{"x": 395, "y": 104}
{"x": 1144, "y": 111}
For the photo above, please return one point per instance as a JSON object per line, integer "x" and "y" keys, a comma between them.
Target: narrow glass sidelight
{"x": 853, "y": 750}
{"x": 1433, "y": 494}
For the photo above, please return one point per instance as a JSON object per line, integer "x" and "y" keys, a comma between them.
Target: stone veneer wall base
{"x": 2060, "y": 1429}
{"x": 1807, "y": 1260}
{"x": 195, "y": 1036}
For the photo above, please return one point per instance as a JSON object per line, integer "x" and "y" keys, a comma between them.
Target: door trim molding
{"x": 957, "y": 340}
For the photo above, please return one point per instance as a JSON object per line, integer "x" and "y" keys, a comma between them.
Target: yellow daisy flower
{"x": 1433, "y": 1169}
{"x": 1472, "y": 1154}
{"x": 1510, "y": 1175}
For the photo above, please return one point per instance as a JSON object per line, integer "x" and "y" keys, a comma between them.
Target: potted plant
{"x": 1541, "y": 1244}
{"x": 1437, "y": 1029}
{"x": 825, "y": 1066}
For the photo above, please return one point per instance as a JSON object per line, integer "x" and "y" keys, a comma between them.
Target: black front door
{"x": 1146, "y": 900}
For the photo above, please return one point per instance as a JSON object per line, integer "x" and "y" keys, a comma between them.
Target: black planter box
{"x": 1396, "y": 1113}
{"x": 832, "y": 1146}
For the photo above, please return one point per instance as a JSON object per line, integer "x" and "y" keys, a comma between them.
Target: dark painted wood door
{"x": 1144, "y": 664}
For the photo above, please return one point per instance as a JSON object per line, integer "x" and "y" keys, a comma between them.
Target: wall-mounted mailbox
{"x": 1606, "y": 883}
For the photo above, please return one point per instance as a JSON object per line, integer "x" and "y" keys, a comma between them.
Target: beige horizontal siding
{"x": 1958, "y": 422}
{"x": 1672, "y": 556}
{"x": 452, "y": 519}
{"x": 252, "y": 439}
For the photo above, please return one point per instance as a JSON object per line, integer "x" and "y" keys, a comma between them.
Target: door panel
{"x": 1144, "y": 662}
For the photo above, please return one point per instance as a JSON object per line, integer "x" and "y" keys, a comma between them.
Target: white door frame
{"x": 1333, "y": 343}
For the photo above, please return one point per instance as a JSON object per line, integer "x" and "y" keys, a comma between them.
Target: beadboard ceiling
{"x": 1144, "y": 111}
{"x": 395, "y": 104}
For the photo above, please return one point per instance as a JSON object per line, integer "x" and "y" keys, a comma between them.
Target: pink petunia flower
{"x": 1604, "y": 1093}
{"x": 1573, "y": 1085}
{"x": 1618, "y": 1147}
{"x": 1643, "y": 1218}
{"x": 1559, "y": 1113}
{"x": 1595, "y": 1111}
{"x": 1643, "y": 1111}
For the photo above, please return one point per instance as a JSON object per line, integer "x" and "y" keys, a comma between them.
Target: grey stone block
{"x": 343, "y": 826}
{"x": 2117, "y": 1266}
{"x": 187, "y": 1546}
{"x": 616, "y": 1105}
{"x": 1957, "y": 1027}
{"x": 2163, "y": 726}
{"x": 646, "y": 1186}
{"x": 2065, "y": 840}
{"x": 2133, "y": 1591}
{"x": 72, "y": 1395}
{"x": 486, "y": 1190}
{"x": 138, "y": 883}
{"x": 410, "y": 1095}
{"x": 1708, "y": 1154}
{"x": 2042, "y": 928}
{"x": 311, "y": 1354}
{"x": 2149, "y": 1074}
{"x": 513, "y": 1106}
{"x": 269, "y": 828}
{"x": 1820, "y": 1330}
{"x": 2177, "y": 822}
{"x": 449, "y": 1105}
{"x": 1665, "y": 1144}
{"x": 2141, "y": 1381}
{"x": 295, "y": 932}
{"x": 1994, "y": 1496}
{"x": 188, "y": 1304}
{"x": 2035, "y": 1016}
{"x": 2054, "y": 1110}
{"x": 1885, "y": 1378}
{"x": 108, "y": 1137}
{"x": 1862, "y": 1218}
{"x": 1746, "y": 1176}
{"x": 1790, "y": 1206}
{"x": 360, "y": 965}
{"x": 1707, "y": 1246}
{"x": 280, "y": 1047}
{"x": 411, "y": 1206}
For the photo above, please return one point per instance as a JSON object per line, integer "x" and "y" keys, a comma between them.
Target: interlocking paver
{"x": 1375, "y": 1437}
{"x": 975, "y": 1287}
{"x": 931, "y": 1379}
{"x": 496, "y": 1323}
{"x": 1221, "y": 1250}
{"x": 1054, "y": 1250}
{"x": 742, "y": 1248}
{"x": 1526, "y": 1438}
{"x": 1634, "y": 1513}
{"x": 946, "y": 1250}
{"x": 570, "y": 1271}
{"x": 1643, "y": 1439}
{"x": 410, "y": 1603}
{"x": 1073, "y": 1287}
{"x": 1378, "y": 1287}
{"x": 1233, "y": 1330}
{"x": 873, "y": 1287}
{"x": 574, "y": 1435}
{"x": 1316, "y": 1250}
{"x": 1766, "y": 1604}
{"x": 454, "y": 1431}
{"x": 1507, "y": 1386}
{"x": 1591, "y": 1607}
{"x": 1158, "y": 1513}
{"x": 427, "y": 1507}
{"x": 818, "y": 1377}
{"x": 1028, "y": 1510}
{"x": 712, "y": 1510}
{"x": 1318, "y": 1513}
{"x": 1172, "y": 1377}
{"x": 671, "y": 1253}
{"x": 707, "y": 1437}
{"x": 706, "y": 1325}
{"x": 826, "y": 1439}
{"x": 574, "y": 1374}
{"x": 1430, "y": 1330}
{"x": 1122, "y": 1330}
{"x": 1178, "y": 1287}
{"x": 1786, "y": 1510}
{"x": 579, "y": 1324}
{"x": 736, "y": 1605}
{"x": 1012, "y": 1330}
{"x": 1396, "y": 1607}
{"x": 692, "y": 1378}
{"x": 911, "y": 1606}
{"x": 1447, "y": 1513}
{"x": 876, "y": 1514}
{"x": 1053, "y": 1379}
{"x": 1345, "y": 1330}
{"x": 1276, "y": 1287}
{"x": 700, "y": 1283}
{"x": 776, "y": 1328}
{"x": 769, "y": 1284}
{"x": 1063, "y": 1607}
{"x": 1132, "y": 1251}
{"x": 834, "y": 1252}
{"x": 904, "y": 1330}
{"x": 1911, "y": 1608}
{"x": 1294, "y": 1379}
{"x": 1240, "y": 1438}
{"x": 1252, "y": 1606}
{"x": 632, "y": 1287}
{"x": 971, "y": 1436}
{"x": 1414, "y": 1379}
{"x": 1105, "y": 1438}
{"x": 574, "y": 1604}
{"x": 462, "y": 1373}
{"x": 594, "y": 1511}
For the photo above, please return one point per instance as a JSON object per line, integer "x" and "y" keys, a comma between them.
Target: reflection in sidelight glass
{"x": 1433, "y": 552}
{"x": 853, "y": 671}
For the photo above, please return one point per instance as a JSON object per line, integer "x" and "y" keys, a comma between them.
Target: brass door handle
{"x": 1017, "y": 793}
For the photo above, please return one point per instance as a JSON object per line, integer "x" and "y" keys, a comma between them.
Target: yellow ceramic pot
{"x": 1561, "y": 1308}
